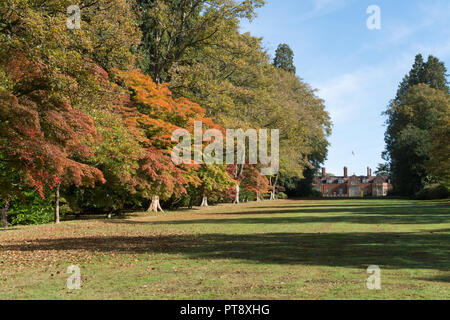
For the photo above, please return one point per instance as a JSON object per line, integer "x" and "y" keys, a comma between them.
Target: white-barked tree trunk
{"x": 204, "y": 202}
{"x": 155, "y": 206}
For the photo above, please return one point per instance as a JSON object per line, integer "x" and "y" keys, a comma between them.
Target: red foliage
{"x": 250, "y": 178}
{"x": 41, "y": 135}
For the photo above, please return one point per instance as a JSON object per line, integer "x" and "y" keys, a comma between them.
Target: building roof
{"x": 342, "y": 179}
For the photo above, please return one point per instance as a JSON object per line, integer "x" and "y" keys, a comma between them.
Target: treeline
{"x": 418, "y": 132}
{"x": 86, "y": 115}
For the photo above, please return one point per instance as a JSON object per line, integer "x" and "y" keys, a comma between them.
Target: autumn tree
{"x": 44, "y": 140}
{"x": 253, "y": 181}
{"x": 155, "y": 113}
{"x": 43, "y": 57}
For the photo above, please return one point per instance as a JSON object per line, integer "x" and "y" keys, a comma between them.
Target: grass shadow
{"x": 388, "y": 250}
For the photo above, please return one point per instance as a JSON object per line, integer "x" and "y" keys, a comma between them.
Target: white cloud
{"x": 347, "y": 94}
{"x": 323, "y": 7}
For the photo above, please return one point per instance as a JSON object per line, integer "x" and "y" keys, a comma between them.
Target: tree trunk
{"x": 236, "y": 201}
{"x": 204, "y": 202}
{"x": 57, "y": 204}
{"x": 272, "y": 194}
{"x": 5, "y": 215}
{"x": 155, "y": 205}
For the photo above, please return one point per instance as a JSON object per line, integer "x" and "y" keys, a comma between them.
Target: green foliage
{"x": 296, "y": 187}
{"x": 241, "y": 89}
{"x": 284, "y": 58}
{"x": 432, "y": 73}
{"x": 383, "y": 169}
{"x": 245, "y": 195}
{"x": 416, "y": 150}
{"x": 171, "y": 28}
{"x": 282, "y": 196}
{"x": 439, "y": 164}
{"x": 433, "y": 192}
{"x": 411, "y": 153}
{"x": 214, "y": 183}
{"x": 214, "y": 179}
{"x": 32, "y": 209}
{"x": 115, "y": 154}
{"x": 315, "y": 194}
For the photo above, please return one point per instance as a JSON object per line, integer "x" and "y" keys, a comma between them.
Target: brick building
{"x": 352, "y": 186}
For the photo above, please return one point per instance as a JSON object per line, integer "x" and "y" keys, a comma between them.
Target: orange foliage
{"x": 152, "y": 113}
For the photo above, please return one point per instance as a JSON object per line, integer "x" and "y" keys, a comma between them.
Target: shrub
{"x": 433, "y": 192}
{"x": 316, "y": 194}
{"x": 31, "y": 210}
{"x": 282, "y": 196}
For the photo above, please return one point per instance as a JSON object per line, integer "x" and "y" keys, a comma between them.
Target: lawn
{"x": 273, "y": 250}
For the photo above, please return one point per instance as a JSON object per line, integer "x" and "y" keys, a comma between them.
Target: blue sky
{"x": 356, "y": 70}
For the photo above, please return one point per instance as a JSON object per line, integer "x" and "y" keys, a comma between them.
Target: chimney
{"x": 368, "y": 172}
{"x": 345, "y": 172}
{"x": 324, "y": 172}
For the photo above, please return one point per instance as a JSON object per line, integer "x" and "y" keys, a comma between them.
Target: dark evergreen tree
{"x": 434, "y": 74}
{"x": 415, "y": 76}
{"x": 284, "y": 58}
{"x": 383, "y": 169}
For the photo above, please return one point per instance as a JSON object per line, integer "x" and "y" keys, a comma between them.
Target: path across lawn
{"x": 270, "y": 250}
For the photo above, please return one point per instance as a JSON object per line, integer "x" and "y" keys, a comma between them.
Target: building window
{"x": 329, "y": 181}
{"x": 341, "y": 181}
{"x": 354, "y": 183}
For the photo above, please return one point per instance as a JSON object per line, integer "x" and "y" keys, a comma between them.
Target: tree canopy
{"x": 91, "y": 111}
{"x": 414, "y": 118}
{"x": 284, "y": 58}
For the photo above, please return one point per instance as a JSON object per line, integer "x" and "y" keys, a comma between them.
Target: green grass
{"x": 273, "y": 250}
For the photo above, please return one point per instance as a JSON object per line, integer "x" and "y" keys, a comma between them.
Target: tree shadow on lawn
{"x": 441, "y": 278}
{"x": 391, "y": 210}
{"x": 377, "y": 220}
{"x": 362, "y": 204}
{"x": 359, "y": 250}
{"x": 360, "y": 215}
